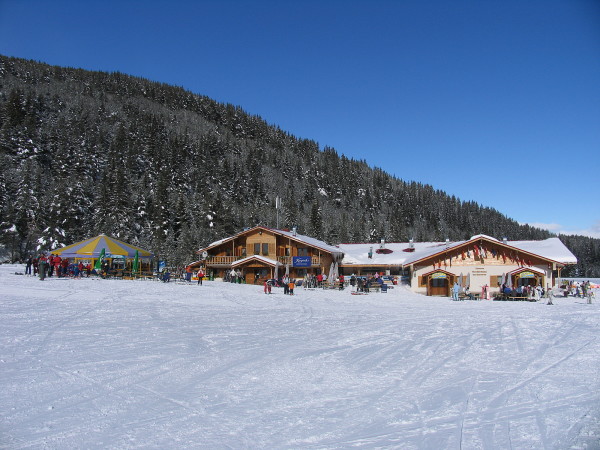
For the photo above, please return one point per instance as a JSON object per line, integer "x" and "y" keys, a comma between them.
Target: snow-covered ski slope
{"x": 131, "y": 364}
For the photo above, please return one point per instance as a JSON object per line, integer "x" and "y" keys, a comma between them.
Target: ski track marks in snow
{"x": 130, "y": 364}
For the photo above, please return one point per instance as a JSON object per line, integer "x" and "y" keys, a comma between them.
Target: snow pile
{"x": 126, "y": 364}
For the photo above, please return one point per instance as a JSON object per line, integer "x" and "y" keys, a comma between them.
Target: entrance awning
{"x": 523, "y": 270}
{"x": 256, "y": 258}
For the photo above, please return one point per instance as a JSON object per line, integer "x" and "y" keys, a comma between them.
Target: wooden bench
{"x": 378, "y": 287}
{"x": 463, "y": 296}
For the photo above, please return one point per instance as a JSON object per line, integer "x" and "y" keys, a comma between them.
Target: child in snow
{"x": 291, "y": 285}
{"x": 267, "y": 287}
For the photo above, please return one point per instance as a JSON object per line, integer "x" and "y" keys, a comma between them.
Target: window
{"x": 257, "y": 249}
{"x": 302, "y": 251}
{"x": 265, "y": 249}
{"x": 287, "y": 251}
{"x": 438, "y": 282}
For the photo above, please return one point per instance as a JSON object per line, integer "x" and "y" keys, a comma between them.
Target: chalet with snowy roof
{"x": 261, "y": 253}
{"x": 432, "y": 268}
{"x": 429, "y": 268}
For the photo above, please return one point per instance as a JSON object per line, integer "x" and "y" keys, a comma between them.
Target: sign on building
{"x": 301, "y": 261}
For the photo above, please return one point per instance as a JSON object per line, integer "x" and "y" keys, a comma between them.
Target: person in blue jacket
{"x": 455, "y": 291}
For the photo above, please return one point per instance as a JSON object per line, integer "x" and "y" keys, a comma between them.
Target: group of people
{"x": 285, "y": 281}
{"x": 233, "y": 276}
{"x": 457, "y": 288}
{"x": 53, "y": 265}
{"x": 580, "y": 289}
{"x": 529, "y": 291}
{"x": 188, "y": 272}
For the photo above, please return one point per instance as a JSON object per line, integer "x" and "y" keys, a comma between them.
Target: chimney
{"x": 294, "y": 231}
{"x": 504, "y": 240}
{"x": 370, "y": 252}
{"x": 411, "y": 244}
{"x": 382, "y": 245}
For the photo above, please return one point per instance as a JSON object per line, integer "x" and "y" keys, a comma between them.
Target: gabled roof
{"x": 439, "y": 271}
{"x": 551, "y": 249}
{"x": 526, "y": 269}
{"x": 312, "y": 242}
{"x": 268, "y": 261}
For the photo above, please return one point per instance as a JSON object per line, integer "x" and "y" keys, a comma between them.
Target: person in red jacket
{"x": 50, "y": 265}
{"x": 65, "y": 267}
{"x": 319, "y": 280}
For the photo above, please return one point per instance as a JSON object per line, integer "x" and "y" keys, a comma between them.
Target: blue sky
{"x": 492, "y": 101}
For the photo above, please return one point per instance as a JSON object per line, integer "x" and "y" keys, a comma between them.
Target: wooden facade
{"x": 478, "y": 263}
{"x": 432, "y": 268}
{"x": 262, "y": 253}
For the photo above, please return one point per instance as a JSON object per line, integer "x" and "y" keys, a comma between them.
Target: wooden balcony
{"x": 226, "y": 261}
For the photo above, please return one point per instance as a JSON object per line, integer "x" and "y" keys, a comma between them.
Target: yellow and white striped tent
{"x": 92, "y": 248}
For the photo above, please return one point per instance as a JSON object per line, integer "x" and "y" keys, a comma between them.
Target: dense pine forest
{"x": 84, "y": 153}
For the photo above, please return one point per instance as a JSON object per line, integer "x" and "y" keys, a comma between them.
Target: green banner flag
{"x": 98, "y": 264}
{"x": 136, "y": 262}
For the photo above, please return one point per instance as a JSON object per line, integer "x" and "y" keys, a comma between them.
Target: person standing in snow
{"x": 28, "y": 264}
{"x": 455, "y": 291}
{"x": 285, "y": 281}
{"x": 42, "y": 263}
{"x": 200, "y": 275}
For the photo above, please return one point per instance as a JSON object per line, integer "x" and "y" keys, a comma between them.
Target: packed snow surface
{"x": 97, "y": 363}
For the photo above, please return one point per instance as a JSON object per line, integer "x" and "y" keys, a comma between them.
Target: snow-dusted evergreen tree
{"x": 155, "y": 164}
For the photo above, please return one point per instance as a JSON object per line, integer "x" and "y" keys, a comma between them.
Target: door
{"x": 439, "y": 286}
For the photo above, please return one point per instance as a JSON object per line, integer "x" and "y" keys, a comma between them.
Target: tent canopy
{"x": 91, "y": 248}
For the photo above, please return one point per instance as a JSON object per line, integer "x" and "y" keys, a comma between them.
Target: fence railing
{"x": 228, "y": 260}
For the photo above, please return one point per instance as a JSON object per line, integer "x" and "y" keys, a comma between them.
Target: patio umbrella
{"x": 333, "y": 273}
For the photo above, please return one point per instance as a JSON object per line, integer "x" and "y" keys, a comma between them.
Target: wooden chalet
{"x": 261, "y": 253}
{"x": 429, "y": 268}
{"x": 432, "y": 268}
{"x": 485, "y": 261}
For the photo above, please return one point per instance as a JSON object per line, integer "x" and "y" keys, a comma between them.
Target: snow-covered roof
{"x": 269, "y": 261}
{"x": 358, "y": 254}
{"x": 551, "y": 248}
{"x": 312, "y": 242}
{"x": 309, "y": 241}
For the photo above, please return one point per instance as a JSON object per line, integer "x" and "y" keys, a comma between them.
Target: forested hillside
{"x": 83, "y": 153}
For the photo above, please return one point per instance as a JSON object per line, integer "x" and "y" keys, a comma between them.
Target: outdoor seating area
{"x": 511, "y": 297}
